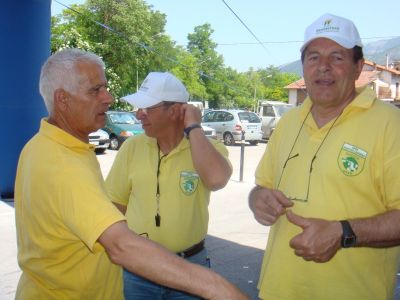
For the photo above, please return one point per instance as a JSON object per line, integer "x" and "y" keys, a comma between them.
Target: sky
{"x": 279, "y": 25}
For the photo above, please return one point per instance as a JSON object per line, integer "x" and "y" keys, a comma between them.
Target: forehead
{"x": 324, "y": 44}
{"x": 90, "y": 73}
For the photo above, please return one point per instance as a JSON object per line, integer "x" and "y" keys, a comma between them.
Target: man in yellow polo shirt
{"x": 328, "y": 183}
{"x": 71, "y": 238}
{"x": 163, "y": 178}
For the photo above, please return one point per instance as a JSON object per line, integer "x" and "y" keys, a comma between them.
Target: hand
{"x": 190, "y": 115}
{"x": 320, "y": 239}
{"x": 268, "y": 205}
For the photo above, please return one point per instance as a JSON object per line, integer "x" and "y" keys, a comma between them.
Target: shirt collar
{"x": 364, "y": 99}
{"x": 183, "y": 144}
{"x": 62, "y": 137}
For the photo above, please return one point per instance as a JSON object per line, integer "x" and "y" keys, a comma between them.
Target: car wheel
{"x": 100, "y": 150}
{"x": 228, "y": 139}
{"x": 254, "y": 143}
{"x": 114, "y": 143}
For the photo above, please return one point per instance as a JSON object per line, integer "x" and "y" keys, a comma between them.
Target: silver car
{"x": 100, "y": 139}
{"x": 230, "y": 124}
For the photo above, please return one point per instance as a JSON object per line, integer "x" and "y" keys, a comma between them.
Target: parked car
{"x": 100, "y": 139}
{"x": 229, "y": 125}
{"x": 270, "y": 113}
{"x": 120, "y": 125}
{"x": 209, "y": 132}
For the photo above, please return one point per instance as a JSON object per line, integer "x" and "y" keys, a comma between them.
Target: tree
{"x": 210, "y": 63}
{"x": 129, "y": 42}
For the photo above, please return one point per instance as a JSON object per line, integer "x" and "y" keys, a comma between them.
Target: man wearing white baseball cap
{"x": 328, "y": 181}
{"x": 163, "y": 178}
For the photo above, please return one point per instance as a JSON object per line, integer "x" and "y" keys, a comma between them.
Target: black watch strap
{"x": 349, "y": 238}
{"x": 188, "y": 129}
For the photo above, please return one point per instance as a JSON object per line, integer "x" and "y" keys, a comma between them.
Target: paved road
{"x": 235, "y": 241}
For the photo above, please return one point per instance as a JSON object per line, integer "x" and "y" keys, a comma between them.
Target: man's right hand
{"x": 267, "y": 204}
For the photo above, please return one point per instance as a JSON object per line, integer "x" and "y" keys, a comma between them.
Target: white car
{"x": 209, "y": 132}
{"x": 100, "y": 139}
{"x": 230, "y": 125}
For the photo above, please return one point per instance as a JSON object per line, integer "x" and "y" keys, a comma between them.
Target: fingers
{"x": 297, "y": 220}
{"x": 190, "y": 114}
{"x": 268, "y": 205}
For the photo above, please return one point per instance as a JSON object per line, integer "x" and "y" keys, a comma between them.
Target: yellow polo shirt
{"x": 355, "y": 175}
{"x": 184, "y": 199}
{"x": 61, "y": 209}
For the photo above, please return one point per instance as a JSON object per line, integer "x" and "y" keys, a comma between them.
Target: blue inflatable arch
{"x": 25, "y": 45}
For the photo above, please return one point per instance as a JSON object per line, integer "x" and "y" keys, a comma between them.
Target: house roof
{"x": 381, "y": 67}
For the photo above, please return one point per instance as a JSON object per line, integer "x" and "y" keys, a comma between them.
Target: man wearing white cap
{"x": 328, "y": 184}
{"x": 163, "y": 178}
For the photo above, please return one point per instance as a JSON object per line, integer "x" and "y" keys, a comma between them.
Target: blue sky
{"x": 280, "y": 23}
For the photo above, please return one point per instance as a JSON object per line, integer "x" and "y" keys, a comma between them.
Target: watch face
{"x": 349, "y": 241}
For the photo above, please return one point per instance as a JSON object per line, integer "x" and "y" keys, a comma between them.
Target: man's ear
{"x": 60, "y": 99}
{"x": 174, "y": 111}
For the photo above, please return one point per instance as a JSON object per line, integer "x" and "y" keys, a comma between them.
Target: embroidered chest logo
{"x": 188, "y": 182}
{"x": 351, "y": 160}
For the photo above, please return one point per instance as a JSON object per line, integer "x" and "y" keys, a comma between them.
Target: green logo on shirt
{"x": 188, "y": 182}
{"x": 351, "y": 160}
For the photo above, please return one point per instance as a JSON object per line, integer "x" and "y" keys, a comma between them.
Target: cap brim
{"x": 140, "y": 100}
{"x": 342, "y": 42}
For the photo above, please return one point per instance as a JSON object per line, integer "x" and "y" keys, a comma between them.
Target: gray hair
{"x": 59, "y": 71}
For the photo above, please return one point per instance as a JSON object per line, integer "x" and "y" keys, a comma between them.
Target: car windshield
{"x": 123, "y": 118}
{"x": 248, "y": 117}
{"x": 281, "y": 109}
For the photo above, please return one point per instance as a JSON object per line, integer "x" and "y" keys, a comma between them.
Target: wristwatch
{"x": 349, "y": 238}
{"x": 188, "y": 129}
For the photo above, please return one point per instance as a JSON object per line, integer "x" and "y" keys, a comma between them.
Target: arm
{"x": 150, "y": 260}
{"x": 267, "y": 205}
{"x": 213, "y": 168}
{"x": 321, "y": 239}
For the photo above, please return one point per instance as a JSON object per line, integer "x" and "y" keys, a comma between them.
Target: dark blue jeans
{"x": 138, "y": 288}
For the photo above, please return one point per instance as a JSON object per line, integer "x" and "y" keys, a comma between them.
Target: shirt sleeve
{"x": 118, "y": 182}
{"x": 85, "y": 207}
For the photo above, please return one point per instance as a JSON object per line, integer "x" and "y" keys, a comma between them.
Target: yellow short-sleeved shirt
{"x": 184, "y": 199}
{"x": 355, "y": 174}
{"x": 61, "y": 209}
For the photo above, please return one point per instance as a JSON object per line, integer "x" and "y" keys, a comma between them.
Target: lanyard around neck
{"x": 158, "y": 216}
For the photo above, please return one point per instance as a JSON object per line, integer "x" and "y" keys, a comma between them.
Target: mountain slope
{"x": 378, "y": 52}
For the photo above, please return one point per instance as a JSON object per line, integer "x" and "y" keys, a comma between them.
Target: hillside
{"x": 375, "y": 51}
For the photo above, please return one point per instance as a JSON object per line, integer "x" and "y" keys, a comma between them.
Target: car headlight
{"x": 126, "y": 133}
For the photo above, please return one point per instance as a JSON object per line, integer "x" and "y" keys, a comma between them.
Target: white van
{"x": 198, "y": 104}
{"x": 270, "y": 112}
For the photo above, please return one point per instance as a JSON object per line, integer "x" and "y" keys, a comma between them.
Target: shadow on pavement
{"x": 238, "y": 263}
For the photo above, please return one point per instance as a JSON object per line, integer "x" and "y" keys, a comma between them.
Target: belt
{"x": 192, "y": 250}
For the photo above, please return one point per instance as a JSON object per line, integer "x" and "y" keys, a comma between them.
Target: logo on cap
{"x": 327, "y": 27}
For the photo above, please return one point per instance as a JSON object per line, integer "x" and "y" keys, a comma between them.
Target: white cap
{"x": 158, "y": 87}
{"x": 337, "y": 29}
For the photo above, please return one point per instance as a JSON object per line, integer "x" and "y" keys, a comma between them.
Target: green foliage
{"x": 134, "y": 43}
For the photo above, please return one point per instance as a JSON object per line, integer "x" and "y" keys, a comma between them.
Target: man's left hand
{"x": 320, "y": 239}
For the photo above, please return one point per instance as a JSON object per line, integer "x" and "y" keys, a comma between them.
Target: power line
{"x": 295, "y": 42}
{"x": 248, "y": 29}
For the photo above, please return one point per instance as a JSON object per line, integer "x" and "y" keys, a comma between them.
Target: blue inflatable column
{"x": 25, "y": 45}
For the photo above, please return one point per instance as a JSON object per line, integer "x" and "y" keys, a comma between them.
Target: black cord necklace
{"x": 290, "y": 156}
{"x": 158, "y": 216}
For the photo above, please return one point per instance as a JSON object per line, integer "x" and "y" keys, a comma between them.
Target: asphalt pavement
{"x": 236, "y": 242}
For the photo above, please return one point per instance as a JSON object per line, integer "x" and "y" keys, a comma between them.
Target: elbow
{"x": 217, "y": 183}
{"x": 115, "y": 255}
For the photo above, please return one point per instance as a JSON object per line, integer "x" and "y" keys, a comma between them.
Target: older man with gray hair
{"x": 71, "y": 239}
